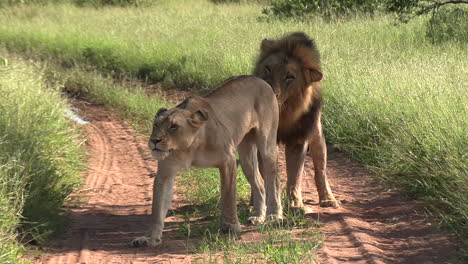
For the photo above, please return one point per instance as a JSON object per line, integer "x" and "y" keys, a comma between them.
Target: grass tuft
{"x": 40, "y": 155}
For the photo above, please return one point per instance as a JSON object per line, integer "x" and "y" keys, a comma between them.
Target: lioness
{"x": 291, "y": 65}
{"x": 242, "y": 114}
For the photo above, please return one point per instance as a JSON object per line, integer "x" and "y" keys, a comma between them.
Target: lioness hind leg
{"x": 249, "y": 163}
{"x": 268, "y": 154}
{"x": 318, "y": 151}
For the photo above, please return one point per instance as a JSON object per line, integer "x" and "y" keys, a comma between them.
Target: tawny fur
{"x": 240, "y": 115}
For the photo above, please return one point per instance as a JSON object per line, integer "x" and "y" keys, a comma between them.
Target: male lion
{"x": 242, "y": 114}
{"x": 291, "y": 66}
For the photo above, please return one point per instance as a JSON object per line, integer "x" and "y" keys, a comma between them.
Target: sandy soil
{"x": 375, "y": 225}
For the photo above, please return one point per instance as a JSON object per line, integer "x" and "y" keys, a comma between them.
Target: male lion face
{"x": 282, "y": 73}
{"x": 174, "y": 130}
{"x": 289, "y": 71}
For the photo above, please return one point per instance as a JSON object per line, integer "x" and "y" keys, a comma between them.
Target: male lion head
{"x": 290, "y": 65}
{"x": 175, "y": 129}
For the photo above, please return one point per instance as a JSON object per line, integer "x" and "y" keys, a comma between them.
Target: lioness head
{"x": 175, "y": 129}
{"x": 290, "y": 65}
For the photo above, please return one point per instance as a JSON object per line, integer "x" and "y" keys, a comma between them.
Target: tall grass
{"x": 393, "y": 99}
{"x": 40, "y": 157}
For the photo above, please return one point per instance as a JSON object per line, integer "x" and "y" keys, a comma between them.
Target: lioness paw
{"x": 145, "y": 241}
{"x": 256, "y": 220}
{"x": 296, "y": 204}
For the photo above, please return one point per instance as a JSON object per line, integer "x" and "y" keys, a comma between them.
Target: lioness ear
{"x": 160, "y": 111}
{"x": 266, "y": 45}
{"x": 315, "y": 75}
{"x": 198, "y": 118}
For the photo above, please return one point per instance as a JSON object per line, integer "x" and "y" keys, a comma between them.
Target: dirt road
{"x": 375, "y": 225}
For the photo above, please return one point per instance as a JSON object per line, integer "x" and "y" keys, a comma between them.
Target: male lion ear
{"x": 315, "y": 75}
{"x": 198, "y": 118}
{"x": 266, "y": 45}
{"x": 160, "y": 111}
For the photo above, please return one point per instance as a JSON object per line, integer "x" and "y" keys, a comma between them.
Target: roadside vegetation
{"x": 40, "y": 157}
{"x": 395, "y": 95}
{"x": 295, "y": 240}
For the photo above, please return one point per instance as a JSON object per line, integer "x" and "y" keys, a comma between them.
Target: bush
{"x": 301, "y": 8}
{"x": 101, "y": 3}
{"x": 94, "y": 3}
{"x": 448, "y": 25}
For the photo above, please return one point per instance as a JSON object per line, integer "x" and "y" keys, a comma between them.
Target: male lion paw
{"x": 330, "y": 203}
{"x": 256, "y": 220}
{"x": 145, "y": 241}
{"x": 230, "y": 228}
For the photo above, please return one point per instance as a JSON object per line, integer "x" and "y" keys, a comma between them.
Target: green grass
{"x": 40, "y": 157}
{"x": 294, "y": 240}
{"x": 275, "y": 246}
{"x": 393, "y": 100}
{"x": 201, "y": 187}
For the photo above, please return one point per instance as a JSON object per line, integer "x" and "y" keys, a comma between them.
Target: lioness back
{"x": 245, "y": 89}
{"x": 245, "y": 98}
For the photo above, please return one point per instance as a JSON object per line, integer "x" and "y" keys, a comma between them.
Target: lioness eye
{"x": 173, "y": 127}
{"x": 267, "y": 70}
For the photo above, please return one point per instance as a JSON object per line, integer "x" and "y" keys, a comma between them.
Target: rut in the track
{"x": 374, "y": 225}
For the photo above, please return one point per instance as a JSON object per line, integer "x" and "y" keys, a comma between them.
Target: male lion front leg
{"x": 162, "y": 197}
{"x": 229, "y": 220}
{"x": 318, "y": 151}
{"x": 295, "y": 156}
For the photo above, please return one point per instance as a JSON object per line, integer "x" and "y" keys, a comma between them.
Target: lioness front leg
{"x": 162, "y": 197}
{"x": 318, "y": 151}
{"x": 229, "y": 220}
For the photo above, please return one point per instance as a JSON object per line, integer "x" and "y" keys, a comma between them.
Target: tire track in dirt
{"x": 375, "y": 225}
{"x": 117, "y": 195}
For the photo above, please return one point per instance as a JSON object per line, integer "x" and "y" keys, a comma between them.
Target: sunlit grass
{"x": 40, "y": 157}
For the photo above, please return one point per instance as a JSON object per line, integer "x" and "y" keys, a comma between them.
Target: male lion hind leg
{"x": 318, "y": 151}
{"x": 249, "y": 163}
{"x": 162, "y": 197}
{"x": 295, "y": 157}
{"x": 229, "y": 220}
